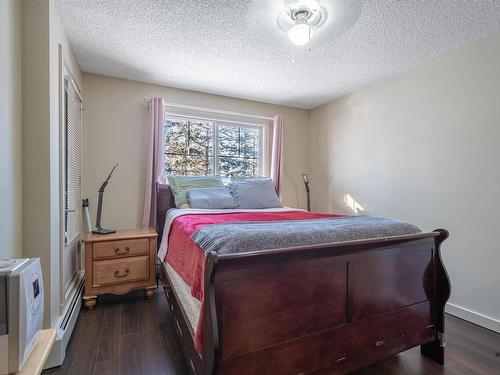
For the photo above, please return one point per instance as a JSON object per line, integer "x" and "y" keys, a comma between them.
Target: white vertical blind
{"x": 73, "y": 123}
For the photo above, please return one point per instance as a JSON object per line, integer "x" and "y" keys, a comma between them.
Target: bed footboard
{"x": 332, "y": 308}
{"x": 442, "y": 290}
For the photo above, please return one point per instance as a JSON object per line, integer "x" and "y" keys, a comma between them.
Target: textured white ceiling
{"x": 235, "y": 48}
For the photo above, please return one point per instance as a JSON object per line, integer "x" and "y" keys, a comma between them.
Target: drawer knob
{"x": 380, "y": 343}
{"x": 125, "y": 272}
{"x": 119, "y": 251}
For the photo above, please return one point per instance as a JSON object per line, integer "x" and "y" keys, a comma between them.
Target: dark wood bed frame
{"x": 324, "y": 309}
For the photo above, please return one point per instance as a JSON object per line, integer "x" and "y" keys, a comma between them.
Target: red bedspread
{"x": 188, "y": 259}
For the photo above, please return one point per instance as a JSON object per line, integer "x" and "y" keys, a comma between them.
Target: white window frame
{"x": 68, "y": 287}
{"x": 263, "y": 137}
{"x": 70, "y": 237}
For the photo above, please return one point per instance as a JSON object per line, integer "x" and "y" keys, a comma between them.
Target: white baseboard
{"x": 473, "y": 317}
{"x": 65, "y": 325}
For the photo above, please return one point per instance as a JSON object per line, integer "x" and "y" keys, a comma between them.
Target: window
{"x": 200, "y": 147}
{"x": 72, "y": 153}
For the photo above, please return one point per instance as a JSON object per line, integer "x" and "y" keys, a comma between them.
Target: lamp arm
{"x": 308, "y": 194}
{"x": 99, "y": 208}
{"x": 105, "y": 183}
{"x": 103, "y": 186}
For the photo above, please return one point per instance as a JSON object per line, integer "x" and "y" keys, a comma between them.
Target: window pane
{"x": 229, "y": 140}
{"x": 249, "y": 143}
{"x": 201, "y": 138}
{"x": 176, "y": 136}
{"x": 238, "y": 150}
{"x": 189, "y": 147}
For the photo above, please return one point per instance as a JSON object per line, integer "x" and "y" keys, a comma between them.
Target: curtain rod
{"x": 211, "y": 110}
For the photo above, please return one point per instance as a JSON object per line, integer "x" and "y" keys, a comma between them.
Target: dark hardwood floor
{"x": 132, "y": 335}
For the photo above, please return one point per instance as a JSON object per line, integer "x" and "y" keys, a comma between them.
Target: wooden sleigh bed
{"x": 324, "y": 309}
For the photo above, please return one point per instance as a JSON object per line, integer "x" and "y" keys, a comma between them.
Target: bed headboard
{"x": 164, "y": 202}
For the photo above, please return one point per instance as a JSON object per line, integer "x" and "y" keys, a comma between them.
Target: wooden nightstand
{"x": 119, "y": 262}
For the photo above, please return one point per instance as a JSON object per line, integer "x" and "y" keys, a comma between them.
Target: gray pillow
{"x": 255, "y": 193}
{"x": 217, "y": 198}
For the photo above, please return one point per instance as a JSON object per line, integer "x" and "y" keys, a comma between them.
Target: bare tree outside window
{"x": 238, "y": 150}
{"x": 205, "y": 147}
{"x": 189, "y": 147}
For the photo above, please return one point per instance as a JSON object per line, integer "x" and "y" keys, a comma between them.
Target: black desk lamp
{"x": 98, "y": 229}
{"x": 305, "y": 178}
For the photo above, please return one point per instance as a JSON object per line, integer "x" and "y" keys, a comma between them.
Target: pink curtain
{"x": 155, "y": 160}
{"x": 277, "y": 153}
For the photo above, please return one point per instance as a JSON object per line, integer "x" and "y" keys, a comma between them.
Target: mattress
{"x": 190, "y": 305}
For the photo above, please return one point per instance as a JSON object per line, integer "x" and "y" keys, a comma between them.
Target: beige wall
{"x": 10, "y": 129}
{"x": 423, "y": 147}
{"x": 42, "y": 33}
{"x": 115, "y": 123}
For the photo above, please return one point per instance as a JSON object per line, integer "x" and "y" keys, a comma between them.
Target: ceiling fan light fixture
{"x": 300, "y": 18}
{"x": 300, "y": 34}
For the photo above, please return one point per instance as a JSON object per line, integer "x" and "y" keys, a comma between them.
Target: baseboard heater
{"x": 65, "y": 325}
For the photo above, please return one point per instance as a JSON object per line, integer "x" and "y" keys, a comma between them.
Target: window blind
{"x": 73, "y": 123}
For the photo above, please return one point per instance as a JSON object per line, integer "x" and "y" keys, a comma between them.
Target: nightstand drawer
{"x": 113, "y": 271}
{"x": 116, "y": 249}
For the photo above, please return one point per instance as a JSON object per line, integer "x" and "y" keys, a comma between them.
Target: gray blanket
{"x": 230, "y": 238}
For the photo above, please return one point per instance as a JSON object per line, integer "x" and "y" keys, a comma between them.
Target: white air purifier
{"x": 21, "y": 311}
